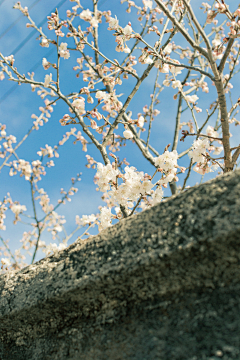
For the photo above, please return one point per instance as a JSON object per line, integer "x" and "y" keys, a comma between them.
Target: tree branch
{"x": 181, "y": 28}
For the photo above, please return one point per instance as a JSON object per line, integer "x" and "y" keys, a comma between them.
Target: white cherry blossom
{"x": 199, "y": 147}
{"x": 53, "y": 248}
{"x": 218, "y": 150}
{"x": 148, "y": 3}
{"x": 45, "y": 64}
{"x": 167, "y": 161}
{"x": 105, "y": 217}
{"x": 47, "y": 80}
{"x": 86, "y": 15}
{"x": 63, "y": 51}
{"x": 128, "y": 134}
{"x": 168, "y": 49}
{"x": 192, "y": 98}
{"x": 176, "y": 84}
{"x": 211, "y": 132}
{"x": 113, "y": 23}
{"x": 102, "y": 95}
{"x": 85, "y": 219}
{"x": 157, "y": 196}
{"x": 5, "y": 261}
{"x": 44, "y": 42}
{"x": 79, "y": 105}
{"x": 17, "y": 208}
{"x": 140, "y": 121}
{"x": 127, "y": 30}
{"x": 94, "y": 22}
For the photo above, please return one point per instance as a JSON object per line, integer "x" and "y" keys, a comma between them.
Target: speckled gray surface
{"x": 162, "y": 285}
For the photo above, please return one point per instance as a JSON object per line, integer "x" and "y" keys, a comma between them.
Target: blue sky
{"x": 18, "y": 104}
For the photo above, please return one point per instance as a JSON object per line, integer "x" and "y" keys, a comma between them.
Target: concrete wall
{"x": 164, "y": 284}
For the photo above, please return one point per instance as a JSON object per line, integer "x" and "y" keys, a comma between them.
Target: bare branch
{"x": 125, "y": 106}
{"x": 76, "y": 33}
{"x": 151, "y": 109}
{"x": 225, "y": 56}
{"x": 58, "y": 63}
{"x": 181, "y": 28}
{"x": 36, "y": 220}
{"x": 189, "y": 67}
{"x": 95, "y": 33}
{"x": 9, "y": 251}
{"x": 201, "y": 31}
{"x": 188, "y": 174}
{"x": 236, "y": 155}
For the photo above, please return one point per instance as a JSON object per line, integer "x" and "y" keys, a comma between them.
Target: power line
{"x": 103, "y": 2}
{"x": 1, "y": 2}
{"x": 16, "y": 21}
{"x": 10, "y": 91}
{"x": 5, "y": 96}
{"x": 23, "y": 43}
{"x": 7, "y": 93}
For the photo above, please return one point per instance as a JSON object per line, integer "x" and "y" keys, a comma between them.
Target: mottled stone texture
{"x": 164, "y": 284}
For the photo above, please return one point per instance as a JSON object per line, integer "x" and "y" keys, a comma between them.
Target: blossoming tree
{"x": 206, "y": 54}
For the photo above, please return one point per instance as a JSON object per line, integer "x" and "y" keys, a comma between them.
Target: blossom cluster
{"x": 199, "y": 152}
{"x": 8, "y": 141}
{"x": 167, "y": 163}
{"x": 63, "y": 51}
{"x": 123, "y": 34}
{"x": 96, "y": 106}
{"x": 22, "y": 166}
{"x": 85, "y": 220}
{"x": 87, "y": 16}
{"x": 135, "y": 185}
{"x": 53, "y": 248}
{"x": 3, "y": 209}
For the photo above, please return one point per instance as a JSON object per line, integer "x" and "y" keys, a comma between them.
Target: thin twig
{"x": 58, "y": 63}
{"x": 151, "y": 109}
{"x": 138, "y": 202}
{"x": 188, "y": 174}
{"x": 9, "y": 251}
{"x": 36, "y": 220}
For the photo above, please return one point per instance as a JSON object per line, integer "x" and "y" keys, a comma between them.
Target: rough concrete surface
{"x": 162, "y": 285}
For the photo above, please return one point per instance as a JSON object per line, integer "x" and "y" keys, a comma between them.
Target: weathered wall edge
{"x": 189, "y": 241}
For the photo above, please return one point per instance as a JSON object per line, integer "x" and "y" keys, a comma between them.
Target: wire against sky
{"x": 17, "y": 20}
{"x": 9, "y": 92}
{"x": 1, "y": 2}
{"x": 23, "y": 43}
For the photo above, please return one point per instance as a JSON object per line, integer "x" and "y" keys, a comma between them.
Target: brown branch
{"x": 9, "y": 251}
{"x": 181, "y": 65}
{"x": 188, "y": 174}
{"x": 208, "y": 157}
{"x": 200, "y": 30}
{"x": 139, "y": 143}
{"x": 76, "y": 33}
{"x": 127, "y": 102}
{"x": 138, "y": 202}
{"x": 236, "y": 154}
{"x": 58, "y": 63}
{"x": 225, "y": 56}
{"x": 225, "y": 125}
{"x": 233, "y": 108}
{"x": 36, "y": 220}
{"x": 151, "y": 109}
{"x": 95, "y": 33}
{"x": 181, "y": 29}
{"x": 202, "y": 135}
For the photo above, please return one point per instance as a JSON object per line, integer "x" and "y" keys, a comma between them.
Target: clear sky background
{"x": 18, "y": 103}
